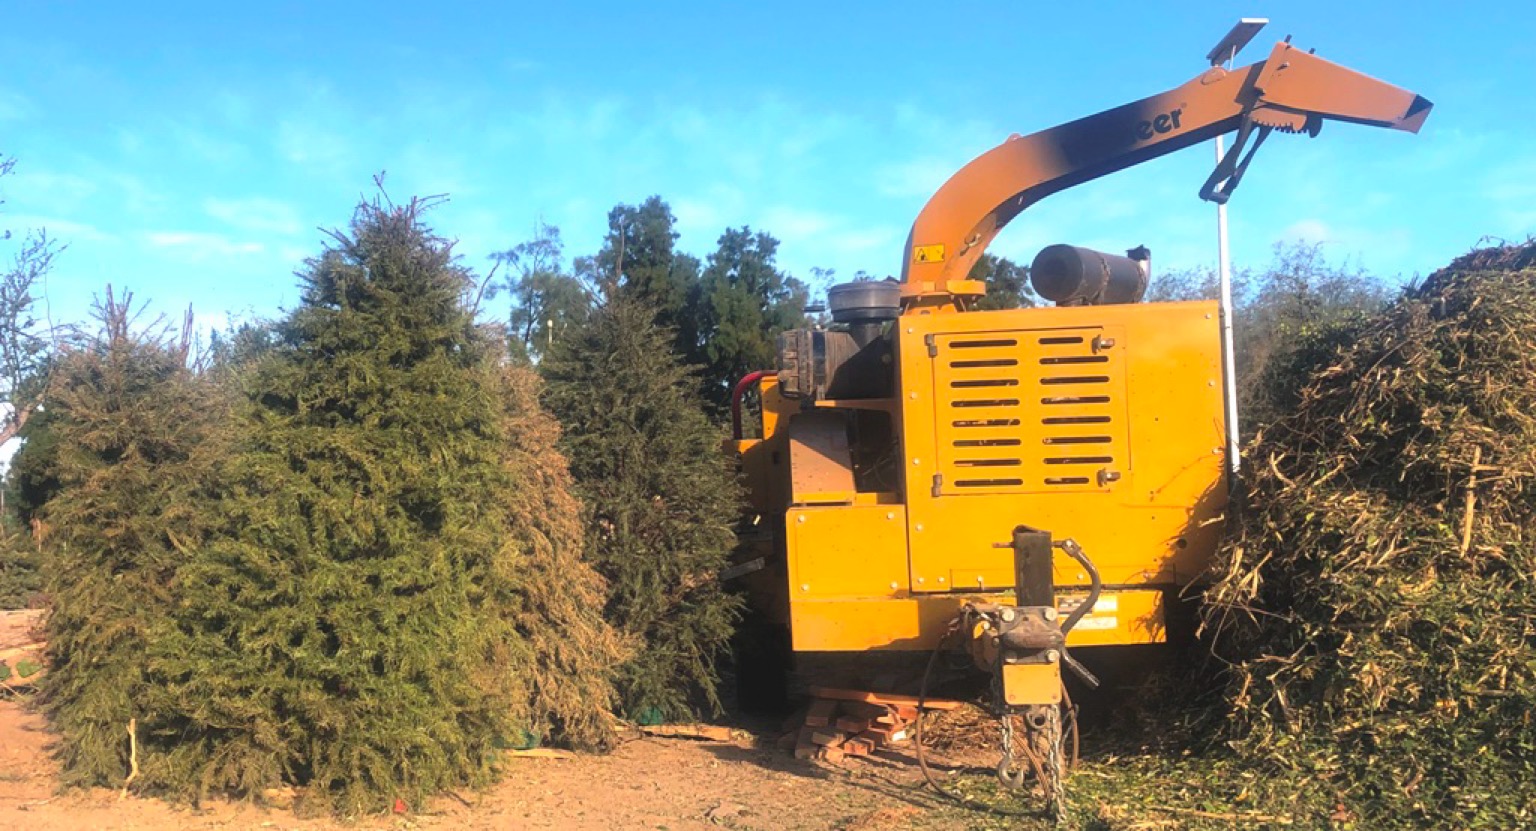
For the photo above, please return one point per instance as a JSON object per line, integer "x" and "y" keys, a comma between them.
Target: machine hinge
{"x": 933, "y": 346}
{"x": 938, "y": 484}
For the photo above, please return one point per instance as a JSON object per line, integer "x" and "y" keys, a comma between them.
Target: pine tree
{"x": 743, "y": 301}
{"x": 375, "y": 616}
{"x": 546, "y": 299}
{"x": 571, "y": 651}
{"x": 660, "y": 501}
{"x": 1007, "y": 283}
{"x": 640, "y": 252}
{"x": 135, "y": 437}
{"x": 31, "y": 479}
{"x": 20, "y": 579}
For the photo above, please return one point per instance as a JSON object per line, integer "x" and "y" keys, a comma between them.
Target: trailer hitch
{"x": 1025, "y": 646}
{"x": 1035, "y": 595}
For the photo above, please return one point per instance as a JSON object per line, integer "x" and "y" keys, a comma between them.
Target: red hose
{"x": 741, "y": 389}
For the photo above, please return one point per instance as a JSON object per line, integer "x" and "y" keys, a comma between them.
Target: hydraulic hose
{"x": 740, "y": 390}
{"x": 1075, "y": 551}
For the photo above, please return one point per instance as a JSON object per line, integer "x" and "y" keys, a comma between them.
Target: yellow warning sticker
{"x": 927, "y": 253}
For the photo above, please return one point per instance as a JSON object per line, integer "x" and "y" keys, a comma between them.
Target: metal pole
{"x": 1222, "y": 55}
{"x": 1228, "y": 362}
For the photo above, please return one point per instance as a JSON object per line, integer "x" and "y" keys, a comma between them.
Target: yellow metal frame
{"x": 1151, "y": 525}
{"x": 902, "y": 622}
{"x": 889, "y": 570}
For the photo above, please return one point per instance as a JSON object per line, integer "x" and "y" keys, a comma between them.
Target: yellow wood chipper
{"x": 1017, "y": 484}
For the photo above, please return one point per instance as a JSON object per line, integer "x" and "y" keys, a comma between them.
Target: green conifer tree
{"x": 134, "y": 439}
{"x": 1007, "y": 283}
{"x": 395, "y": 590}
{"x": 640, "y": 253}
{"x": 740, "y": 305}
{"x": 19, "y": 577}
{"x": 660, "y": 501}
{"x": 31, "y": 479}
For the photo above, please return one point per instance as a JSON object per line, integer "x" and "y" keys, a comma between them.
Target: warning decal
{"x": 927, "y": 253}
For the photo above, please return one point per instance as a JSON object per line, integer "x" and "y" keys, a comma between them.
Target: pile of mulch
{"x": 1376, "y": 598}
{"x": 962, "y": 733}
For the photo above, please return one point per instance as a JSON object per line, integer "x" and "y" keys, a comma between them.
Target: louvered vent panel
{"x": 1028, "y": 411}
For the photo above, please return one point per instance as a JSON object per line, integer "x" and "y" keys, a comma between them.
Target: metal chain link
{"x": 1046, "y": 750}
{"x": 1043, "y": 747}
{"x": 1008, "y": 773}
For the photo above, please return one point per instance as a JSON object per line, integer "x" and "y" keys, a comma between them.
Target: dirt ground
{"x": 672, "y": 784}
{"x": 652, "y": 783}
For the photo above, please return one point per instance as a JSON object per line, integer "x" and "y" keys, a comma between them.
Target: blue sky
{"x": 191, "y": 152}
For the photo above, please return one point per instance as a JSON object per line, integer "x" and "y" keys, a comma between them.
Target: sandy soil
{"x": 652, "y": 783}
{"x": 672, "y": 784}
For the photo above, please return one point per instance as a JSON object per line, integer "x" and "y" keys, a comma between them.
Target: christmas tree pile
{"x": 371, "y": 583}
{"x": 660, "y": 499}
{"x": 1377, "y": 598}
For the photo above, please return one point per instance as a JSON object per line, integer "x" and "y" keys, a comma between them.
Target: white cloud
{"x": 310, "y": 144}
{"x": 92, "y": 188}
{"x": 294, "y": 255}
{"x": 914, "y": 178}
{"x": 129, "y": 141}
{"x": 522, "y": 65}
{"x": 874, "y": 239}
{"x": 206, "y": 322}
{"x": 62, "y": 230}
{"x": 1308, "y": 230}
{"x": 256, "y": 214}
{"x": 197, "y": 246}
{"x": 210, "y": 147}
{"x": 425, "y": 169}
{"x": 797, "y": 224}
{"x": 1510, "y": 191}
{"x": 1347, "y": 243}
{"x": 41, "y": 191}
{"x": 138, "y": 198}
{"x": 701, "y": 217}
{"x": 688, "y": 124}
{"x": 233, "y": 107}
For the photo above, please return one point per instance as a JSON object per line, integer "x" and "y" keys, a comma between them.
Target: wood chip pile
{"x": 1377, "y": 595}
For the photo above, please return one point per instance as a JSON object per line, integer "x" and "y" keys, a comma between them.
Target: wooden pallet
{"x": 840, "y": 723}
